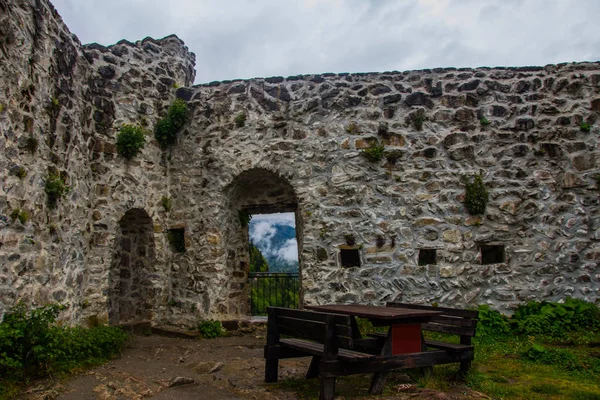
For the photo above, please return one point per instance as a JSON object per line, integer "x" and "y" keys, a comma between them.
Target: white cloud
{"x": 245, "y": 39}
{"x": 288, "y": 219}
{"x": 289, "y": 251}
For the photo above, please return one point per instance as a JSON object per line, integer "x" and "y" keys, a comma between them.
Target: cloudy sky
{"x": 262, "y": 231}
{"x": 259, "y": 38}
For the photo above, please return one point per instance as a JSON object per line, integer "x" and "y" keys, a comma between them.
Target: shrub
{"x": 555, "y": 319}
{"x": 32, "y": 345}
{"x": 476, "y": 195}
{"x": 418, "y": 119}
{"x": 130, "y": 141}
{"x": 210, "y": 329}
{"x": 374, "y": 153}
{"x": 350, "y": 239}
{"x": 164, "y": 133}
{"x": 166, "y": 129}
{"x": 585, "y": 127}
{"x": 562, "y": 357}
{"x": 177, "y": 114}
{"x": 55, "y": 189}
{"x": 240, "y": 120}
{"x": 491, "y": 322}
{"x": 484, "y": 121}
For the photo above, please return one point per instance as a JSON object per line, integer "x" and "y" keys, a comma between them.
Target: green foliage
{"x": 476, "y": 195}
{"x": 55, "y": 189}
{"x": 585, "y": 127}
{"x": 555, "y": 319}
{"x": 491, "y": 322}
{"x": 374, "y": 153}
{"x": 245, "y": 217}
{"x": 258, "y": 262}
{"x": 273, "y": 292}
{"x": 2, "y": 107}
{"x": 166, "y": 129}
{"x": 130, "y": 140}
{"x": 484, "y": 121}
{"x": 21, "y": 215}
{"x": 240, "y": 120}
{"x": 21, "y": 172}
{"x": 210, "y": 329}
{"x": 418, "y": 119}
{"x": 560, "y": 357}
{"x": 352, "y": 128}
{"x": 167, "y": 203}
{"x": 176, "y": 239}
{"x": 164, "y": 133}
{"x": 32, "y": 345}
{"x": 32, "y": 144}
{"x": 177, "y": 114}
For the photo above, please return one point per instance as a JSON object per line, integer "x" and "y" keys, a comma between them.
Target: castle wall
{"x": 300, "y": 150}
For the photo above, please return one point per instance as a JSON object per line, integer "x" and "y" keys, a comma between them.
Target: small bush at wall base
{"x": 210, "y": 329}
{"x": 130, "y": 141}
{"x": 55, "y": 189}
{"x": 374, "y": 153}
{"x": 32, "y": 345}
{"x": 476, "y": 196}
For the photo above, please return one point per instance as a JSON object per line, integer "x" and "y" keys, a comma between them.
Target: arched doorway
{"x": 131, "y": 292}
{"x": 260, "y": 191}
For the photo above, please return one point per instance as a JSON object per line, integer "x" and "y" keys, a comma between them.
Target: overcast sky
{"x": 259, "y": 38}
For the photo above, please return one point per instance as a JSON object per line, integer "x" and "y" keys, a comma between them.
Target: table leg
{"x": 379, "y": 378}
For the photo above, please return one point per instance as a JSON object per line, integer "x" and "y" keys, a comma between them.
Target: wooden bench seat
{"x": 318, "y": 349}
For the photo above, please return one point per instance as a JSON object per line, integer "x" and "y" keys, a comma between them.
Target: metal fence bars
{"x": 273, "y": 289}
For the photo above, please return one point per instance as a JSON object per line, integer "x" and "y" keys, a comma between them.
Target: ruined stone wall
{"x": 298, "y": 150}
{"x": 72, "y": 100}
{"x": 540, "y": 168}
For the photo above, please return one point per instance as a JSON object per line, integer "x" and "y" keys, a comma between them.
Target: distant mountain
{"x": 271, "y": 248}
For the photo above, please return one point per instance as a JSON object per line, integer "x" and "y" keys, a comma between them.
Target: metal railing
{"x": 276, "y": 289}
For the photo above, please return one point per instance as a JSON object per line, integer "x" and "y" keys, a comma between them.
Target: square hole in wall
{"x": 492, "y": 254}
{"x": 176, "y": 238}
{"x": 350, "y": 258}
{"x": 427, "y": 256}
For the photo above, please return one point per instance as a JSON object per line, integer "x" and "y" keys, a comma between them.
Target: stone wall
{"x": 299, "y": 150}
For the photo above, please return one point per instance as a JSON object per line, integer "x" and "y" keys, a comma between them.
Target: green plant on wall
{"x": 55, "y": 189}
{"x": 476, "y": 195}
{"x": 585, "y": 127}
{"x": 130, "y": 140}
{"x": 20, "y": 172}
{"x": 240, "y": 120}
{"x": 484, "y": 121}
{"x": 166, "y": 129}
{"x": 352, "y": 128}
{"x": 374, "y": 153}
{"x": 21, "y": 215}
{"x": 167, "y": 203}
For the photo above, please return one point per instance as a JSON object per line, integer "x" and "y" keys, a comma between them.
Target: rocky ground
{"x": 231, "y": 367}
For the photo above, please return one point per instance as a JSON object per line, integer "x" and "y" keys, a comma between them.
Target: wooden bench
{"x": 332, "y": 342}
{"x": 452, "y": 321}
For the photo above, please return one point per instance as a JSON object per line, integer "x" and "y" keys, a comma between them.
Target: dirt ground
{"x": 231, "y": 367}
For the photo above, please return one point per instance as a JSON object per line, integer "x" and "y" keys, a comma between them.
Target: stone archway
{"x": 257, "y": 191}
{"x": 131, "y": 291}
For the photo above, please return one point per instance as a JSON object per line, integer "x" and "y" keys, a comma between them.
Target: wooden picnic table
{"x": 404, "y": 334}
